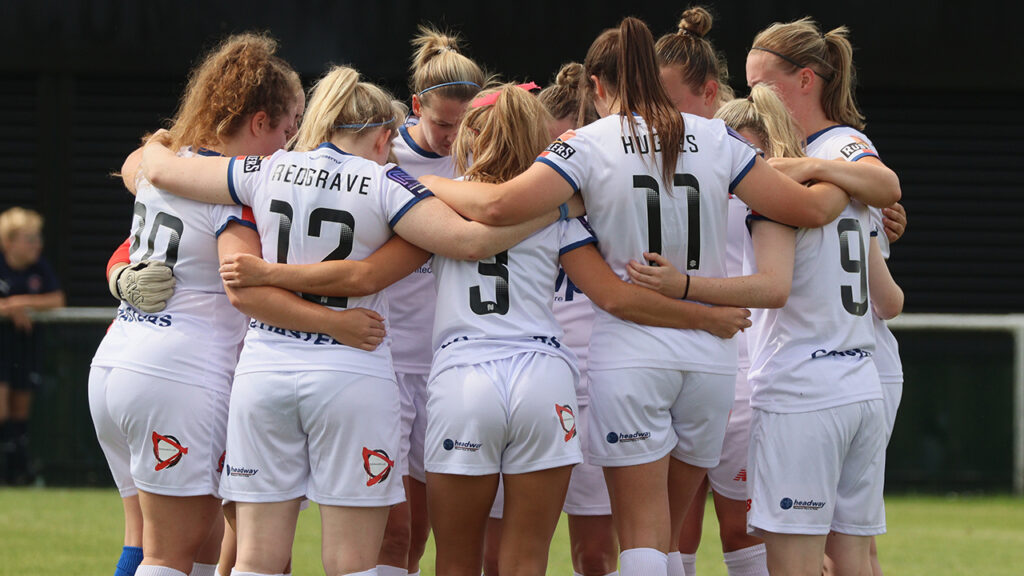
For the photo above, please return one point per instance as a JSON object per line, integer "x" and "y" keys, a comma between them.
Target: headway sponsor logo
{"x": 616, "y": 437}
{"x": 408, "y": 182}
{"x": 377, "y": 465}
{"x": 854, "y": 353}
{"x": 241, "y": 471}
{"x": 789, "y": 503}
{"x": 167, "y": 450}
{"x": 450, "y": 445}
{"x": 567, "y": 419}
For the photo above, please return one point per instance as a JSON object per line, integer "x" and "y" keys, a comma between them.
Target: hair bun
{"x": 696, "y": 21}
{"x": 569, "y": 75}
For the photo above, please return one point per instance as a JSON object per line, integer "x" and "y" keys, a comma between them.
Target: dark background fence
{"x": 940, "y": 83}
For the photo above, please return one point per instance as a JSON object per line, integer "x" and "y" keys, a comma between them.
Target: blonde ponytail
{"x": 440, "y": 70}
{"x": 340, "y": 102}
{"x": 800, "y": 44}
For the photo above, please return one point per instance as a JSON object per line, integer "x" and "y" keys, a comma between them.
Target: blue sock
{"x": 131, "y": 557}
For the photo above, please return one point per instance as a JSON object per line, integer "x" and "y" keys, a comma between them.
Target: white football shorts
{"x": 812, "y": 472}
{"x": 729, "y": 478}
{"x": 514, "y": 415}
{"x": 172, "y": 433}
{"x": 642, "y": 414}
{"x": 331, "y": 436}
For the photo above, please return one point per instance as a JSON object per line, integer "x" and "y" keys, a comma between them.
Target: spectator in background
{"x": 27, "y": 282}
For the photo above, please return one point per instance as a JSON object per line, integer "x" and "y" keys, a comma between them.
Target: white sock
{"x": 612, "y": 574}
{"x": 752, "y": 561}
{"x": 689, "y": 562}
{"x": 385, "y": 570}
{"x": 237, "y": 573}
{"x": 675, "y": 564}
{"x": 643, "y": 562}
{"x": 370, "y": 572}
{"x": 145, "y": 570}
{"x": 203, "y": 569}
{"x": 416, "y": 573}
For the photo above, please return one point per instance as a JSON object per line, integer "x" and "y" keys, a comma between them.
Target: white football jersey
{"x": 632, "y": 211}
{"x": 195, "y": 339}
{"x": 412, "y": 299}
{"x": 575, "y": 314}
{"x": 738, "y": 246}
{"x": 495, "y": 308}
{"x": 314, "y": 206}
{"x": 816, "y": 351}
{"x": 851, "y": 145}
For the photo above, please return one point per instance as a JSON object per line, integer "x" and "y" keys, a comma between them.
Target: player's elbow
{"x": 889, "y": 306}
{"x": 243, "y": 299}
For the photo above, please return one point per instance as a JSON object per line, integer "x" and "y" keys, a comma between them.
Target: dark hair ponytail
{"x": 625, "y": 61}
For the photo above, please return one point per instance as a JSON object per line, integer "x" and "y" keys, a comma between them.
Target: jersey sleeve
{"x": 222, "y": 215}
{"x": 247, "y": 173}
{"x": 574, "y": 234}
{"x": 120, "y": 256}
{"x": 852, "y": 148}
{"x": 743, "y": 157}
{"x": 566, "y": 156}
{"x": 399, "y": 193}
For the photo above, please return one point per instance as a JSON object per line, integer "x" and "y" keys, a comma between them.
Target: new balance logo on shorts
{"x": 567, "y": 419}
{"x": 789, "y": 503}
{"x": 377, "y": 465}
{"x": 616, "y": 437}
{"x": 167, "y": 450}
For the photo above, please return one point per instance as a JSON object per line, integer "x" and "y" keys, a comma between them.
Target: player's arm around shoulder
{"x": 591, "y": 274}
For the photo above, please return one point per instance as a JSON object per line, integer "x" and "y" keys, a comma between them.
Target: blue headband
{"x": 457, "y": 83}
{"x": 366, "y": 125}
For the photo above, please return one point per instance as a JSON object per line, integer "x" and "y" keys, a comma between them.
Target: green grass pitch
{"x": 78, "y": 531}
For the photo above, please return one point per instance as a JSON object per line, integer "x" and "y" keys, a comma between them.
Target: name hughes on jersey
{"x": 320, "y": 178}
{"x": 642, "y": 144}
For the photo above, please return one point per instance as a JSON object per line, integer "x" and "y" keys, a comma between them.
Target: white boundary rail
{"x": 1009, "y": 323}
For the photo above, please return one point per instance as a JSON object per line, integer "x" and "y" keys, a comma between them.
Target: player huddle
{"x": 406, "y": 318}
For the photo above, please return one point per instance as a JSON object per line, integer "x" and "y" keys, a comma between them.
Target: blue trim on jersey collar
{"x": 404, "y": 131}
{"x": 333, "y": 147}
{"x": 815, "y": 136}
{"x": 207, "y": 152}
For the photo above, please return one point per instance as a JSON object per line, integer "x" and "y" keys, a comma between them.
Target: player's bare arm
{"x": 774, "y": 247}
{"x": 591, "y": 274}
{"x": 393, "y": 261}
